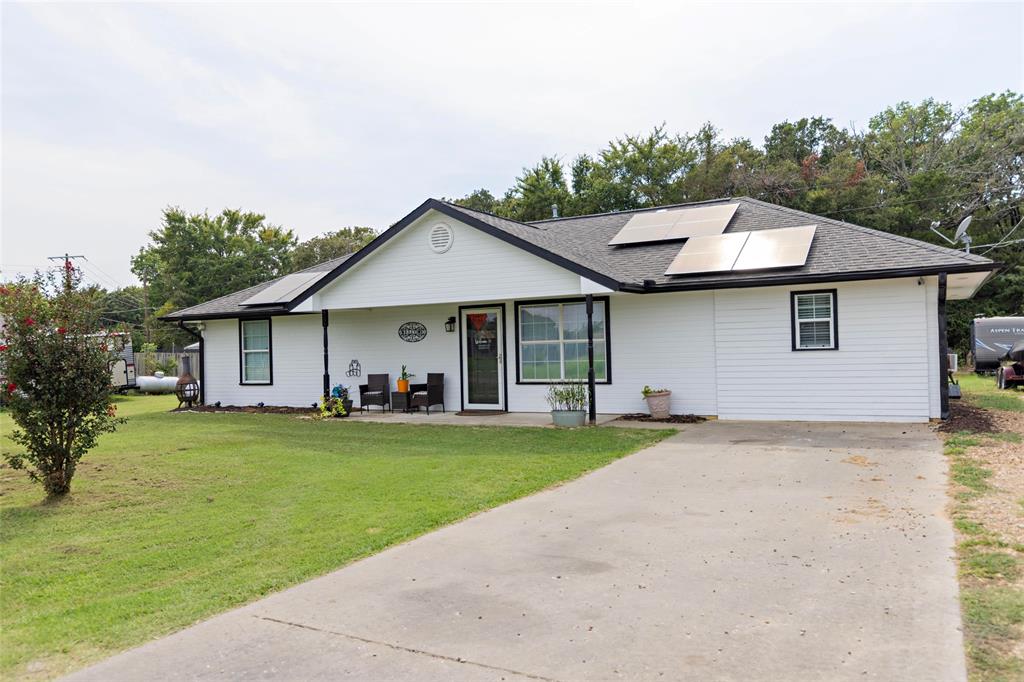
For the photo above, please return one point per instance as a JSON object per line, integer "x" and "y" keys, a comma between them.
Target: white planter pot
{"x": 658, "y": 404}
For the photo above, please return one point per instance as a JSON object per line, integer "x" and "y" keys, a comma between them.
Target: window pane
{"x": 541, "y": 362}
{"x": 257, "y": 366}
{"x": 811, "y": 306}
{"x": 538, "y": 323}
{"x": 256, "y": 335}
{"x": 575, "y": 316}
{"x": 576, "y": 361}
{"x": 815, "y": 334}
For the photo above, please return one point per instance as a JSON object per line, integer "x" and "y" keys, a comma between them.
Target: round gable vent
{"x": 441, "y": 238}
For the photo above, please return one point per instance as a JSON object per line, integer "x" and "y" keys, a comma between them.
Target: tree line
{"x": 911, "y": 166}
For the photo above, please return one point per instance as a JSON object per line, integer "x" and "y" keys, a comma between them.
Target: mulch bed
{"x": 965, "y": 417}
{"x": 672, "y": 419}
{"x": 267, "y": 409}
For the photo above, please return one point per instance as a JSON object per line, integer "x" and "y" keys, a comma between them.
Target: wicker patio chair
{"x": 376, "y": 391}
{"x": 430, "y": 393}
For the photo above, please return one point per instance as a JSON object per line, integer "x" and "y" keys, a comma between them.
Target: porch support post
{"x": 591, "y": 387}
{"x": 327, "y": 374}
{"x": 943, "y": 350}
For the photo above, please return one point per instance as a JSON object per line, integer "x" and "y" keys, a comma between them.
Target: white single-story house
{"x": 743, "y": 309}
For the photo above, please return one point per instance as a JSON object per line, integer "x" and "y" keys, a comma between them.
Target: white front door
{"x": 483, "y": 364}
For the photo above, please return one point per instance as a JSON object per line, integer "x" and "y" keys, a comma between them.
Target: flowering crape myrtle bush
{"x": 55, "y": 372}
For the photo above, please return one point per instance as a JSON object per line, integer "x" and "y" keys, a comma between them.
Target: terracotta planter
{"x": 403, "y": 385}
{"x": 658, "y": 404}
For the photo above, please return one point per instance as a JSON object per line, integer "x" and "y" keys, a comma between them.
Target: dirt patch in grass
{"x": 966, "y": 417}
{"x": 672, "y": 418}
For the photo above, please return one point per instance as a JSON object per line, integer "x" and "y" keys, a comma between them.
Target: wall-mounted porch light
{"x": 449, "y": 325}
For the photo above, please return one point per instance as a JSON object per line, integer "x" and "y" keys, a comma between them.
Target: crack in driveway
{"x": 398, "y": 647}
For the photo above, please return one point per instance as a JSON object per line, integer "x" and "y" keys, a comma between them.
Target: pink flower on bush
{"x": 29, "y": 321}
{"x": 11, "y": 386}
{"x": 2, "y": 348}
{"x": 62, "y": 330}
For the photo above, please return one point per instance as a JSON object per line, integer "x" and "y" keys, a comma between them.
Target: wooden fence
{"x": 169, "y": 363}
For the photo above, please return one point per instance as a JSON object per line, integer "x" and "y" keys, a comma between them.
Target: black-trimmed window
{"x": 813, "y": 319}
{"x": 255, "y": 352}
{"x": 551, "y": 341}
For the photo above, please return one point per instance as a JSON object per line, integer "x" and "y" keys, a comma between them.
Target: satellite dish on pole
{"x": 960, "y": 236}
{"x": 962, "y": 229}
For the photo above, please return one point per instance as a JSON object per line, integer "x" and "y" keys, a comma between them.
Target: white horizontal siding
{"x": 477, "y": 267}
{"x": 297, "y": 356}
{"x": 881, "y": 371}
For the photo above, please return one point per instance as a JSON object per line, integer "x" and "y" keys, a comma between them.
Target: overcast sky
{"x": 322, "y": 116}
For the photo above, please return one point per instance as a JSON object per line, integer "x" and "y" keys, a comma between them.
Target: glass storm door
{"x": 483, "y": 373}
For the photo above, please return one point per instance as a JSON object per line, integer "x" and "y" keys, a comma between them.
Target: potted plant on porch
{"x": 659, "y": 400}
{"x": 403, "y": 380}
{"x": 568, "y": 403}
{"x": 340, "y": 392}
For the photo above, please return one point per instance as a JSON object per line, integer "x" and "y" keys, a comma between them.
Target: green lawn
{"x": 176, "y": 517}
{"x": 982, "y": 391}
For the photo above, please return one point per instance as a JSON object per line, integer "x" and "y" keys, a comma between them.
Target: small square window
{"x": 813, "y": 319}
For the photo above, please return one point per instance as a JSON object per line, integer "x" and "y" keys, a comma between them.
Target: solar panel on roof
{"x": 708, "y": 253}
{"x": 680, "y": 223}
{"x": 703, "y": 220}
{"x": 646, "y": 227}
{"x": 784, "y": 247}
{"x": 285, "y": 289}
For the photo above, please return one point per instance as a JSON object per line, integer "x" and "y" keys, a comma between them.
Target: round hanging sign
{"x": 412, "y": 332}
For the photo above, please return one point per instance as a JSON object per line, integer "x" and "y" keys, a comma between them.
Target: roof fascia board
{"x": 812, "y": 279}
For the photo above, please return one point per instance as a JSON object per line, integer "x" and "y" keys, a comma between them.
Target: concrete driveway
{"x": 731, "y": 551}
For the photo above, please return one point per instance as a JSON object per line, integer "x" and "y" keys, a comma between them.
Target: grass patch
{"x": 970, "y": 475}
{"x": 176, "y": 517}
{"x": 990, "y": 566}
{"x": 993, "y": 617}
{"x": 982, "y": 392}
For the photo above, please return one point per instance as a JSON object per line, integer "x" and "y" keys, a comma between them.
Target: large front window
{"x": 255, "y": 346}
{"x": 553, "y": 342}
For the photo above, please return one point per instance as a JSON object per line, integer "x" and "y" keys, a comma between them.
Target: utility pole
{"x": 145, "y": 310}
{"x": 68, "y": 267}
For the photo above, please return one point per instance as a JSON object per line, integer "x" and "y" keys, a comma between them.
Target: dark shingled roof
{"x": 228, "y": 306}
{"x": 839, "y": 250}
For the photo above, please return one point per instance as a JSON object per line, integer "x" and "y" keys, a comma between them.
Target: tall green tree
{"x": 195, "y": 257}
{"x": 331, "y": 245}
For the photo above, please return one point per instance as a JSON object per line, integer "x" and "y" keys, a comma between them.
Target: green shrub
{"x": 55, "y": 363}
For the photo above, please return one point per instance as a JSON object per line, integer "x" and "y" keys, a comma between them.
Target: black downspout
{"x": 591, "y": 387}
{"x": 327, "y": 374}
{"x": 943, "y": 351}
{"x": 202, "y": 360}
